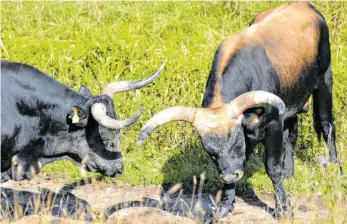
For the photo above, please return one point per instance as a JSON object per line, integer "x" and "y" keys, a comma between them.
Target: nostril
{"x": 228, "y": 178}
{"x": 232, "y": 177}
{"x": 238, "y": 173}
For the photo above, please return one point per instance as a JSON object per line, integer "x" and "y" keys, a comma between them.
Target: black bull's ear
{"x": 85, "y": 91}
{"x": 255, "y": 119}
{"x": 78, "y": 117}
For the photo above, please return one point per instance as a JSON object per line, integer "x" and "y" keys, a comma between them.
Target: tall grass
{"x": 93, "y": 43}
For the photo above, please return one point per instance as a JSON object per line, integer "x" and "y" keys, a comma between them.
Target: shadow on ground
{"x": 93, "y": 201}
{"x": 86, "y": 200}
{"x": 194, "y": 161}
{"x": 195, "y": 198}
{"x": 18, "y": 203}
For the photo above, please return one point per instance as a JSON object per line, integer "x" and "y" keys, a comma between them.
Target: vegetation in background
{"x": 93, "y": 43}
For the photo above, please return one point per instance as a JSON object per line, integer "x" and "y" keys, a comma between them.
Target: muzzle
{"x": 231, "y": 177}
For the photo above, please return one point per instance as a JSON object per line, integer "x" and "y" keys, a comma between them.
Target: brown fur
{"x": 227, "y": 49}
{"x": 217, "y": 98}
{"x": 289, "y": 53}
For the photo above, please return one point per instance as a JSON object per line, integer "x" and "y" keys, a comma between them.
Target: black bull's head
{"x": 88, "y": 135}
{"x": 223, "y": 130}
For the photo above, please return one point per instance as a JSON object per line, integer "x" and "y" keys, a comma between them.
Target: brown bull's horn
{"x": 121, "y": 86}
{"x": 165, "y": 116}
{"x": 216, "y": 121}
{"x": 255, "y": 98}
{"x": 205, "y": 120}
{"x": 99, "y": 113}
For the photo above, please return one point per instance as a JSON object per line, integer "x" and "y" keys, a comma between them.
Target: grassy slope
{"x": 94, "y": 43}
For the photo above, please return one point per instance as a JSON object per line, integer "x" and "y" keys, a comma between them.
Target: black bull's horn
{"x": 98, "y": 110}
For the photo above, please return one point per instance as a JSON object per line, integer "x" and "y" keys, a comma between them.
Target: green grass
{"x": 93, "y": 43}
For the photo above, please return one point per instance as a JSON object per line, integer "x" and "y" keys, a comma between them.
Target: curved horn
{"x": 165, "y": 116}
{"x": 99, "y": 113}
{"x": 121, "y": 86}
{"x": 212, "y": 120}
{"x": 255, "y": 98}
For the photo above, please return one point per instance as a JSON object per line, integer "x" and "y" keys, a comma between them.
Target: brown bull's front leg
{"x": 227, "y": 202}
{"x": 291, "y": 135}
{"x": 273, "y": 166}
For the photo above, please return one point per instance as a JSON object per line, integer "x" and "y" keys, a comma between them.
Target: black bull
{"x": 259, "y": 82}
{"x": 43, "y": 120}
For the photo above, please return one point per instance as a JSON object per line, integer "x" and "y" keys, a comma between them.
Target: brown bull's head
{"x": 223, "y": 129}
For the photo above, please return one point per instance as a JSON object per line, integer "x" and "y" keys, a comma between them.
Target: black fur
{"x": 36, "y": 128}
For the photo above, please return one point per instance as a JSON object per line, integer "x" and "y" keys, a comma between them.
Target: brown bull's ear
{"x": 252, "y": 117}
{"x": 255, "y": 119}
{"x": 78, "y": 117}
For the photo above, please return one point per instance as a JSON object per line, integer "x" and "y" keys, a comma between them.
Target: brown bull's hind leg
{"x": 323, "y": 115}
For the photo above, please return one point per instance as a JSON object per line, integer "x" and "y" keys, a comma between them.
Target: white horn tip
{"x": 145, "y": 131}
{"x": 139, "y": 142}
{"x": 281, "y": 109}
{"x": 162, "y": 65}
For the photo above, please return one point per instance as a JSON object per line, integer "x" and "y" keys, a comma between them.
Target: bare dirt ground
{"x": 99, "y": 202}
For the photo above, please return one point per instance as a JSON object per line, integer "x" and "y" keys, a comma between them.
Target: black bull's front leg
{"x": 273, "y": 166}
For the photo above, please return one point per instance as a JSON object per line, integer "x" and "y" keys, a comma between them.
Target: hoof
{"x": 223, "y": 210}
{"x": 340, "y": 170}
{"x": 288, "y": 215}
